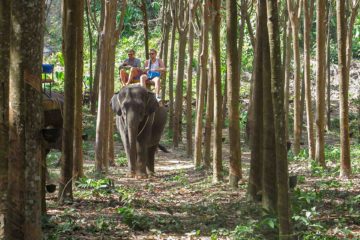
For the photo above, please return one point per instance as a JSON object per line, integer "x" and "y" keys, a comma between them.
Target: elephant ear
{"x": 115, "y": 104}
{"x": 152, "y": 103}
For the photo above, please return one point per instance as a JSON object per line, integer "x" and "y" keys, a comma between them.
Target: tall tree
{"x": 294, "y": 8}
{"x": 233, "y": 91}
{"x": 256, "y": 139}
{"x": 277, "y": 87}
{"x": 78, "y": 154}
{"x": 269, "y": 189}
{"x": 165, "y": 44}
{"x": 4, "y": 110}
{"x": 65, "y": 185}
{"x": 216, "y": 68}
{"x": 171, "y": 71}
{"x": 189, "y": 141}
{"x": 143, "y": 8}
{"x": 308, "y": 13}
{"x": 182, "y": 21}
{"x": 203, "y": 78}
{"x": 287, "y": 62}
{"x": 320, "y": 81}
{"x": 344, "y": 34}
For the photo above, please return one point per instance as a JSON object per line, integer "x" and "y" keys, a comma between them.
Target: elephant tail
{"x": 163, "y": 148}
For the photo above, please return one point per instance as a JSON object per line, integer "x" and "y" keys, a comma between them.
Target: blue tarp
{"x": 47, "y": 68}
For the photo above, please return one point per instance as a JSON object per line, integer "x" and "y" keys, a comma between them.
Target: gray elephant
{"x": 140, "y": 120}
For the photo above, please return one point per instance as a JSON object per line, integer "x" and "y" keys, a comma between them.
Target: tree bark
{"x": 294, "y": 7}
{"x": 146, "y": 27}
{"x": 209, "y": 117}
{"x": 256, "y": 137}
{"x": 65, "y": 185}
{"x": 171, "y": 75}
{"x": 307, "y": 75}
{"x": 78, "y": 171}
{"x": 189, "y": 141}
{"x": 287, "y": 78}
{"x": 233, "y": 90}
{"x": 269, "y": 189}
{"x": 345, "y": 163}
{"x": 202, "y": 84}
{"x": 4, "y": 111}
{"x": 277, "y": 87}
{"x": 320, "y": 82}
{"x": 215, "y": 33}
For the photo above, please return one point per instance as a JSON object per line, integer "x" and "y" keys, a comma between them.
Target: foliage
{"x": 133, "y": 219}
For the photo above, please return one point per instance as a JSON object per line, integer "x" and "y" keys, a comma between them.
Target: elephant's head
{"x": 133, "y": 104}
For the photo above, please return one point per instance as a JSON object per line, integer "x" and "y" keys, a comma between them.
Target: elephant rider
{"x": 132, "y": 63}
{"x": 153, "y": 67}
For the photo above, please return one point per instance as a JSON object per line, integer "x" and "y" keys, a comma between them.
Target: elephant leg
{"x": 142, "y": 153}
{"x": 126, "y": 144}
{"x": 151, "y": 160}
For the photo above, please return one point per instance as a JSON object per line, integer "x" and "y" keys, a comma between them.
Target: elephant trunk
{"x": 132, "y": 128}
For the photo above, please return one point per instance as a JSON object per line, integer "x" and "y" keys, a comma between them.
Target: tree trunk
{"x": 217, "y": 158}
{"x": 297, "y": 89}
{"x": 65, "y": 185}
{"x": 307, "y": 76}
{"x": 345, "y": 163}
{"x": 95, "y": 94}
{"x": 146, "y": 27}
{"x": 256, "y": 136}
{"x": 202, "y": 83}
{"x": 171, "y": 76}
{"x": 16, "y": 180}
{"x": 287, "y": 78}
{"x": 166, "y": 32}
{"x": 233, "y": 90}
{"x": 91, "y": 82}
{"x": 283, "y": 204}
{"x": 33, "y": 45}
{"x": 320, "y": 82}
{"x": 209, "y": 117}
{"x": 78, "y": 171}
{"x": 189, "y": 141}
{"x": 328, "y": 65}
{"x": 179, "y": 89}
{"x": 4, "y": 111}
{"x": 269, "y": 189}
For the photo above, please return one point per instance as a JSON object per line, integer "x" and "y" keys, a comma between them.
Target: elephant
{"x": 140, "y": 121}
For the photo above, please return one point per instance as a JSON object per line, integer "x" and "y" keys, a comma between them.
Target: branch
{"x": 121, "y": 22}
{"x": 93, "y": 17}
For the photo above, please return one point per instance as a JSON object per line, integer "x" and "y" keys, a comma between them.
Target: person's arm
{"x": 162, "y": 67}
{"x": 146, "y": 65}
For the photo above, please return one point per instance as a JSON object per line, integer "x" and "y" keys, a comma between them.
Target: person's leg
{"x": 156, "y": 80}
{"x": 133, "y": 73}
{"x": 123, "y": 77}
{"x": 143, "y": 79}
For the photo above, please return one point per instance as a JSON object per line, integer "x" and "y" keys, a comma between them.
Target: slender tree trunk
{"x": 233, "y": 90}
{"x": 171, "y": 76}
{"x": 297, "y": 89}
{"x": 345, "y": 163}
{"x": 165, "y": 52}
{"x": 202, "y": 83}
{"x": 269, "y": 189}
{"x": 307, "y": 76}
{"x": 328, "y": 67}
{"x": 78, "y": 154}
{"x": 4, "y": 111}
{"x": 189, "y": 141}
{"x": 283, "y": 204}
{"x": 179, "y": 89}
{"x": 256, "y": 137}
{"x": 209, "y": 117}
{"x": 95, "y": 94}
{"x": 287, "y": 78}
{"x": 320, "y": 80}
{"x": 65, "y": 185}
{"x": 146, "y": 27}
{"x": 91, "y": 87}
{"x": 217, "y": 158}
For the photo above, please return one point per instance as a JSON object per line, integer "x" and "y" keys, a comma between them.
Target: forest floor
{"x": 182, "y": 203}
